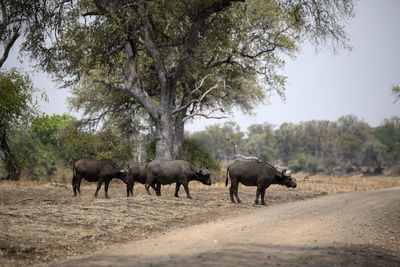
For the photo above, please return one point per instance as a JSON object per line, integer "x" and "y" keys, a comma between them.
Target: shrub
{"x": 297, "y": 164}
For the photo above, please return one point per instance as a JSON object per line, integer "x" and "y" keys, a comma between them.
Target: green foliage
{"x": 26, "y": 18}
{"x": 396, "y": 92}
{"x": 312, "y": 146}
{"x": 97, "y": 145}
{"x": 17, "y": 106}
{"x": 201, "y": 57}
{"x": 192, "y": 151}
{"x": 45, "y": 127}
{"x": 287, "y": 141}
{"x": 350, "y": 146}
{"x": 221, "y": 142}
{"x": 297, "y": 164}
{"x": 38, "y": 161}
{"x": 261, "y": 142}
{"x": 17, "y": 103}
{"x": 389, "y": 135}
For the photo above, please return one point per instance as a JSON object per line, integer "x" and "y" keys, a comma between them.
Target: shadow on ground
{"x": 256, "y": 255}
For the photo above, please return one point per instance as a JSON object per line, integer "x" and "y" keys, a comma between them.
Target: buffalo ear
{"x": 280, "y": 174}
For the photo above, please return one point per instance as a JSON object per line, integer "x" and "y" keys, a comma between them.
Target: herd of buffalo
{"x": 180, "y": 172}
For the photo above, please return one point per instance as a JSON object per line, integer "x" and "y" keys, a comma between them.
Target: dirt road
{"x": 360, "y": 228}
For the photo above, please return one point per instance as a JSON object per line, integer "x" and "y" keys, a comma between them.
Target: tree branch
{"x": 196, "y": 100}
{"x": 132, "y": 86}
{"x": 190, "y": 42}
{"x": 208, "y": 115}
{"x": 152, "y": 48}
{"x": 9, "y": 45}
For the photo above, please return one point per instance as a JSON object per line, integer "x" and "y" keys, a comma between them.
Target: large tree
{"x": 179, "y": 59}
{"x": 17, "y": 106}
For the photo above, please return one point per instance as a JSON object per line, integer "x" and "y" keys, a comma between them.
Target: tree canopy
{"x": 17, "y": 106}
{"x": 174, "y": 60}
{"x": 26, "y": 18}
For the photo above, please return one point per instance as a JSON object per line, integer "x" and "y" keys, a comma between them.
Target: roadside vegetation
{"x": 45, "y": 148}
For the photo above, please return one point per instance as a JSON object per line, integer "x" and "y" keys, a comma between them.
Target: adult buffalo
{"x": 180, "y": 172}
{"x": 137, "y": 173}
{"x": 96, "y": 171}
{"x": 256, "y": 173}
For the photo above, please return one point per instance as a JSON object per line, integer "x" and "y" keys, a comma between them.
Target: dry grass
{"x": 43, "y": 223}
{"x": 333, "y": 185}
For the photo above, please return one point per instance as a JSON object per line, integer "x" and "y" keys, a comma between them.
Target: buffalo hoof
{"x": 189, "y": 197}
{"x": 264, "y": 204}
{"x": 176, "y": 195}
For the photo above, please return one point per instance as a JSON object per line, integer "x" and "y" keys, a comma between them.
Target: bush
{"x": 312, "y": 166}
{"x": 37, "y": 161}
{"x": 297, "y": 164}
{"x": 192, "y": 151}
{"x": 330, "y": 163}
{"x": 395, "y": 170}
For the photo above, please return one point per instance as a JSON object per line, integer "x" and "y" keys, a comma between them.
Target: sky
{"x": 321, "y": 85}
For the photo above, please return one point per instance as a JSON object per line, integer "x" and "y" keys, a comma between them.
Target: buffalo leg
{"x": 237, "y": 195}
{"x": 157, "y": 188}
{"x": 178, "y": 185}
{"x": 78, "y": 184}
{"x": 262, "y": 196}
{"x": 106, "y": 183}
{"x": 98, "y": 187}
{"x": 150, "y": 182}
{"x": 233, "y": 190}
{"x": 129, "y": 188}
{"x": 185, "y": 185}
{"x": 258, "y": 194}
{"x": 74, "y": 184}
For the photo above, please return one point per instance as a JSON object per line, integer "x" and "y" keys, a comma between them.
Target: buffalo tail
{"x": 227, "y": 177}
{"x": 74, "y": 176}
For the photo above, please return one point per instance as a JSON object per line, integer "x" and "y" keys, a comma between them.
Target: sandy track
{"x": 360, "y": 228}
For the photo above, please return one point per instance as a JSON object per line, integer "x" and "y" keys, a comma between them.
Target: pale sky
{"x": 320, "y": 86}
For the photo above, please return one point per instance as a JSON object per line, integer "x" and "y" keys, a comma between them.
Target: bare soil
{"x": 43, "y": 224}
{"x": 350, "y": 229}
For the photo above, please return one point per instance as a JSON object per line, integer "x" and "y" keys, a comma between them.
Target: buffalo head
{"x": 203, "y": 176}
{"x": 123, "y": 175}
{"x": 286, "y": 179}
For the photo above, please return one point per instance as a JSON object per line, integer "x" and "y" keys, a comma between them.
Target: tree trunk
{"x": 164, "y": 137}
{"x": 179, "y": 132}
{"x": 14, "y": 171}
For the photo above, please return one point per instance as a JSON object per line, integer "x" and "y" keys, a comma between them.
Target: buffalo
{"x": 96, "y": 171}
{"x": 256, "y": 173}
{"x": 137, "y": 173}
{"x": 180, "y": 172}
